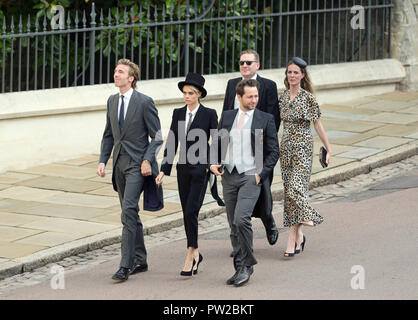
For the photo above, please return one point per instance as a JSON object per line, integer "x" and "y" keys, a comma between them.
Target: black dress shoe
{"x": 231, "y": 280}
{"x": 272, "y": 236}
{"x": 121, "y": 275}
{"x": 243, "y": 276}
{"x": 139, "y": 268}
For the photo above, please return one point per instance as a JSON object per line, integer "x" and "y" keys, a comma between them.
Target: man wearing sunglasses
{"x": 268, "y": 102}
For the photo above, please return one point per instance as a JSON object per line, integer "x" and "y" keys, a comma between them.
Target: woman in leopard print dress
{"x": 298, "y": 108}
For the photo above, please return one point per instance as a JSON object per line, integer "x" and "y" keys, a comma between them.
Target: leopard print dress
{"x": 296, "y": 151}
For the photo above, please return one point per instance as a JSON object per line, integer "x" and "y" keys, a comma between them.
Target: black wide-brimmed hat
{"x": 196, "y": 80}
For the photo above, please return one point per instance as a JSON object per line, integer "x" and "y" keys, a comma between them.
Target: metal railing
{"x": 201, "y": 36}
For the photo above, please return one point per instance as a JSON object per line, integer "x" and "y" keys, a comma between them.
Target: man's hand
{"x": 146, "y": 168}
{"x": 257, "y": 178}
{"x": 101, "y": 170}
{"x": 214, "y": 168}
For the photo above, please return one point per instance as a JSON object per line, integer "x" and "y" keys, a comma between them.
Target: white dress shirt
{"x": 248, "y": 114}
{"x": 126, "y": 98}
{"x": 188, "y": 116}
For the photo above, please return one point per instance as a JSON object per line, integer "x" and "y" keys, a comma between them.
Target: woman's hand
{"x": 328, "y": 158}
{"x": 159, "y": 178}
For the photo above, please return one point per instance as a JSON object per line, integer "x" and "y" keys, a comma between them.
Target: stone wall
{"x": 404, "y": 44}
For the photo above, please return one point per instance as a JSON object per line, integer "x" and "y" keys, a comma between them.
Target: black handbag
{"x": 323, "y": 157}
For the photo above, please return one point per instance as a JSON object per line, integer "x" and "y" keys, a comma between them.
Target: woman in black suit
{"x": 191, "y": 125}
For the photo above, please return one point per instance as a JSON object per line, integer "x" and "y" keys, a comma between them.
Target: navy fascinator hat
{"x": 299, "y": 62}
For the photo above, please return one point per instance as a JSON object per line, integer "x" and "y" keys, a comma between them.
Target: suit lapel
{"x": 230, "y": 121}
{"x": 114, "y": 114}
{"x": 256, "y": 124}
{"x": 260, "y": 94}
{"x": 181, "y": 116}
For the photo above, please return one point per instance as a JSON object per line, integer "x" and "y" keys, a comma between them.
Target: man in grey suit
{"x": 246, "y": 152}
{"x": 130, "y": 120}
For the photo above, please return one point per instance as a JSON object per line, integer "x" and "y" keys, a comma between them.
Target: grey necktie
{"x": 190, "y": 121}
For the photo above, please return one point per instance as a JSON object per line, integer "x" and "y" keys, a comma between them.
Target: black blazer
{"x": 268, "y": 100}
{"x": 205, "y": 119}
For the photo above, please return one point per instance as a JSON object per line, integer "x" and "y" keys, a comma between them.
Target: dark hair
{"x": 133, "y": 70}
{"x": 239, "y": 89}
{"x": 305, "y": 83}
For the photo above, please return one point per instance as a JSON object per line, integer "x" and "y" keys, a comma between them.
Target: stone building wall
{"x": 405, "y": 40}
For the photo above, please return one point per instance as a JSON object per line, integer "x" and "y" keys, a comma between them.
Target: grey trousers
{"x": 240, "y": 193}
{"x": 129, "y": 182}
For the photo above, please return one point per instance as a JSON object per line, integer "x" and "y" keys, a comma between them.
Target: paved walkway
{"x": 54, "y": 211}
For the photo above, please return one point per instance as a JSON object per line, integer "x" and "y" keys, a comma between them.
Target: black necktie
{"x": 190, "y": 121}
{"x": 121, "y": 114}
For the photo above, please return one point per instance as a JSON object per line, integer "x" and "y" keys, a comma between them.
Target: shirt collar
{"x": 127, "y": 94}
{"x": 194, "y": 111}
{"x": 248, "y": 113}
{"x": 254, "y": 77}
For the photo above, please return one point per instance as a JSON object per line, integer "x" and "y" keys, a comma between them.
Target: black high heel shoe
{"x": 188, "y": 273}
{"x": 200, "y": 260}
{"x": 302, "y": 245}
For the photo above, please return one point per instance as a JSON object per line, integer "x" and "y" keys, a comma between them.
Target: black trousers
{"x": 192, "y": 182}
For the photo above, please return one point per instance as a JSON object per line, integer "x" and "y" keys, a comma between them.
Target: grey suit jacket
{"x": 141, "y": 122}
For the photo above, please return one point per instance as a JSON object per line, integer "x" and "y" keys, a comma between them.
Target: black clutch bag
{"x": 323, "y": 157}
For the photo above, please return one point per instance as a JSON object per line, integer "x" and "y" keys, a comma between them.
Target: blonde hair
{"x": 305, "y": 83}
{"x": 133, "y": 70}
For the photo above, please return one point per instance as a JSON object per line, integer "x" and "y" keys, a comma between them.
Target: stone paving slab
{"x": 89, "y": 159}
{"x": 382, "y": 142}
{"x": 360, "y": 153}
{"x": 10, "y": 205}
{"x": 398, "y": 96}
{"x": 9, "y": 234}
{"x": 388, "y": 105}
{"x": 48, "y": 239}
{"x": 4, "y": 186}
{"x": 14, "y": 177}
{"x": 27, "y": 194}
{"x": 65, "y": 211}
{"x": 13, "y": 220}
{"x": 83, "y": 200}
{"x": 413, "y": 109}
{"x": 16, "y": 250}
{"x": 341, "y": 115}
{"x": 392, "y": 117}
{"x": 68, "y": 226}
{"x": 350, "y": 125}
{"x": 60, "y": 170}
{"x": 347, "y": 109}
{"x": 62, "y": 184}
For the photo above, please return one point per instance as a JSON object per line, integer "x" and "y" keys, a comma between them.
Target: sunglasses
{"x": 248, "y": 63}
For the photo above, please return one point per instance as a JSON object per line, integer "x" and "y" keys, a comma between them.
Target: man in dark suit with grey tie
{"x": 247, "y": 149}
{"x": 249, "y": 64}
{"x": 130, "y": 120}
